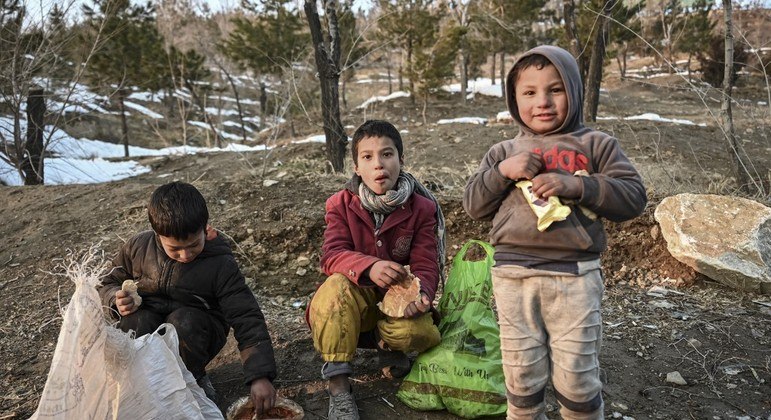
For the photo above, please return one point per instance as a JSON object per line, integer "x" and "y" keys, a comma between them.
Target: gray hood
{"x": 568, "y": 69}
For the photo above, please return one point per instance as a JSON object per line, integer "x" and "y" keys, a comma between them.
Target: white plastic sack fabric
{"x": 99, "y": 372}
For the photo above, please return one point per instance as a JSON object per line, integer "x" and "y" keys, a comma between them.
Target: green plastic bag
{"x": 463, "y": 373}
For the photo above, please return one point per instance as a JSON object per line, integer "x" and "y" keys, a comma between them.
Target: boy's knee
{"x": 188, "y": 320}
{"x": 338, "y": 292}
{"x": 141, "y": 322}
{"x": 417, "y": 334}
{"x": 334, "y": 285}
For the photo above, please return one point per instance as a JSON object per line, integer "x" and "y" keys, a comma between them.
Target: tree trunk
{"x": 263, "y": 104}
{"x": 238, "y": 101}
{"x": 206, "y": 117}
{"x": 492, "y": 71}
{"x": 621, "y": 59}
{"x": 594, "y": 78}
{"x": 388, "y": 70}
{"x": 327, "y": 64}
{"x": 463, "y": 76}
{"x": 571, "y": 31}
{"x": 503, "y": 69}
{"x": 735, "y": 149}
{"x": 410, "y": 76}
{"x": 124, "y": 124}
{"x": 401, "y": 76}
{"x": 32, "y": 164}
{"x": 345, "y": 102}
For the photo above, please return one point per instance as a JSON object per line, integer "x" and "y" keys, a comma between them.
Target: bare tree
{"x": 735, "y": 150}
{"x": 32, "y": 51}
{"x": 327, "y": 54}
{"x": 594, "y": 77}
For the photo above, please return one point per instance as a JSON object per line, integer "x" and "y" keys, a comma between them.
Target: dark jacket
{"x": 613, "y": 190}
{"x": 352, "y": 245}
{"x": 212, "y": 282}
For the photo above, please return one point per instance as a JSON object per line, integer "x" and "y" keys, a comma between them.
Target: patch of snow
{"x": 482, "y": 86}
{"x": 464, "y": 120}
{"x": 144, "y": 110}
{"x": 399, "y": 94}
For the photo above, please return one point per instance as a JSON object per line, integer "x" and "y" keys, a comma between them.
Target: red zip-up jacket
{"x": 352, "y": 245}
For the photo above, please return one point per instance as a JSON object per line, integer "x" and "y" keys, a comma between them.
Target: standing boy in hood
{"x": 186, "y": 275}
{"x": 381, "y": 221}
{"x": 547, "y": 280}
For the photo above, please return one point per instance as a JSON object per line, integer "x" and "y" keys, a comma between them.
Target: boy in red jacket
{"x": 381, "y": 221}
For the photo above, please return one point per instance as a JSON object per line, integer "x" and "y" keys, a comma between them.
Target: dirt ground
{"x": 718, "y": 339}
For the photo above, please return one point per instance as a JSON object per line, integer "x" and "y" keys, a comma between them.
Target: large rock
{"x": 725, "y": 238}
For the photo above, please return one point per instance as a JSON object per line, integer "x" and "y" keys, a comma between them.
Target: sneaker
{"x": 343, "y": 407}
{"x": 205, "y": 383}
{"x": 394, "y": 364}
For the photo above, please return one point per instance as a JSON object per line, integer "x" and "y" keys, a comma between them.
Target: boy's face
{"x": 378, "y": 163}
{"x": 541, "y": 98}
{"x": 187, "y": 249}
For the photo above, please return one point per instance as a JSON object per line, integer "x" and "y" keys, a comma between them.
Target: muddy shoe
{"x": 343, "y": 407}
{"x": 394, "y": 364}
{"x": 205, "y": 383}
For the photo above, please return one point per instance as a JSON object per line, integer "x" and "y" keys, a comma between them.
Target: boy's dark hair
{"x": 536, "y": 60}
{"x": 177, "y": 210}
{"x": 376, "y": 128}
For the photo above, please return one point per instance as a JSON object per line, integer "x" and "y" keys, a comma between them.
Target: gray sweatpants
{"x": 551, "y": 327}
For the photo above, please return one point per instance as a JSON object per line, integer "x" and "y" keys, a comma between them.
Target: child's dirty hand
{"x": 418, "y": 308}
{"x": 385, "y": 273}
{"x": 263, "y": 395}
{"x": 524, "y": 165}
{"x": 124, "y": 302}
{"x": 556, "y": 184}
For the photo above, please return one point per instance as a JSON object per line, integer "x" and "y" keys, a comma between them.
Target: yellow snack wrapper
{"x": 548, "y": 211}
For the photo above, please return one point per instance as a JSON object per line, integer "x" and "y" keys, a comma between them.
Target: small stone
{"x": 284, "y": 282}
{"x": 301, "y": 271}
{"x": 457, "y": 140}
{"x": 303, "y": 261}
{"x": 639, "y": 353}
{"x": 269, "y": 182}
{"x": 281, "y": 174}
{"x": 249, "y": 230}
{"x": 617, "y": 415}
{"x": 223, "y": 202}
{"x": 620, "y": 406}
{"x": 655, "y": 231}
{"x": 676, "y": 378}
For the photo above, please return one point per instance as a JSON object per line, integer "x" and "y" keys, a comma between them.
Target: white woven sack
{"x": 99, "y": 372}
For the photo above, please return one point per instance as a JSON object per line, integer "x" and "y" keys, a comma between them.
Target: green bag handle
{"x": 489, "y": 250}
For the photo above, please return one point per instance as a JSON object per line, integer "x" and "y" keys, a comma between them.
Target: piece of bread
{"x": 400, "y": 295}
{"x": 130, "y": 286}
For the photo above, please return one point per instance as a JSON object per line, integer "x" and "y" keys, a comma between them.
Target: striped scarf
{"x": 382, "y": 205}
